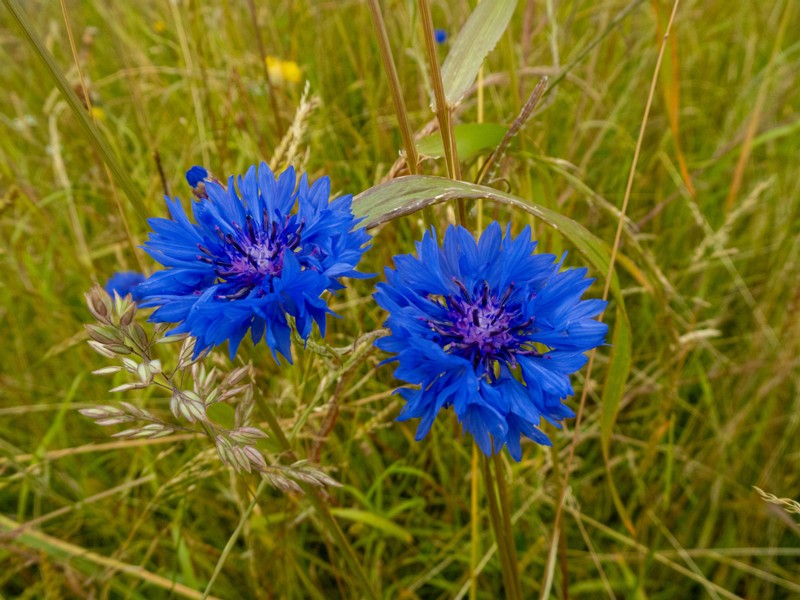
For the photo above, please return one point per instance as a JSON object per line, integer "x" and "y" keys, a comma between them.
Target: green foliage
{"x": 708, "y": 410}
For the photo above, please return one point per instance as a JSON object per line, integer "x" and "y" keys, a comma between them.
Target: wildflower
{"x": 440, "y": 35}
{"x": 490, "y": 329}
{"x": 124, "y": 283}
{"x": 98, "y": 113}
{"x": 251, "y": 262}
{"x": 283, "y": 71}
{"x": 196, "y": 177}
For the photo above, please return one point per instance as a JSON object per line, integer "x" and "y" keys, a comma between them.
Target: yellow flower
{"x": 283, "y": 71}
{"x": 98, "y": 114}
{"x": 159, "y": 26}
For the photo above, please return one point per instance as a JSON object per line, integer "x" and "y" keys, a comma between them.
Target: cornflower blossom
{"x": 490, "y": 329}
{"x": 252, "y": 260}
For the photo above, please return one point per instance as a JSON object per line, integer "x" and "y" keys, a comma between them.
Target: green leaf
{"x": 471, "y": 140}
{"x": 476, "y": 39}
{"x": 373, "y": 520}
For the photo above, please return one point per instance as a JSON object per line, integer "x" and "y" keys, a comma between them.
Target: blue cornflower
{"x": 440, "y": 35}
{"x": 253, "y": 261}
{"x": 490, "y": 329}
{"x": 196, "y": 175}
{"x": 124, "y": 283}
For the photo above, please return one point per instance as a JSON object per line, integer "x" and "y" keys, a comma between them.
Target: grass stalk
{"x": 412, "y": 157}
{"x": 442, "y": 109}
{"x": 474, "y": 549}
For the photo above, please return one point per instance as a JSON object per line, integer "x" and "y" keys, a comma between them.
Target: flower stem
{"x": 442, "y": 108}
{"x": 322, "y": 510}
{"x": 508, "y": 567}
{"x": 505, "y": 505}
{"x": 474, "y": 535}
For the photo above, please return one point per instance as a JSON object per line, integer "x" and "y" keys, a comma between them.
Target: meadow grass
{"x": 708, "y": 267}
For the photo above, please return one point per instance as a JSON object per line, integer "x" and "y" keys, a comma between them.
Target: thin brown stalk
{"x": 412, "y": 157}
{"x": 442, "y": 109}
{"x": 524, "y": 115}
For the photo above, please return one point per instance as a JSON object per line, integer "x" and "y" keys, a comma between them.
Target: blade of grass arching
{"x": 680, "y": 549}
{"x": 406, "y": 195}
{"x": 88, "y": 561}
{"x": 89, "y": 129}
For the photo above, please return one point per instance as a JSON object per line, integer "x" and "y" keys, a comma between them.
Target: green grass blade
{"x": 91, "y": 132}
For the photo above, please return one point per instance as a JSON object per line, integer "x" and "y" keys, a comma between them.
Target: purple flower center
{"x": 245, "y": 258}
{"x": 483, "y": 327}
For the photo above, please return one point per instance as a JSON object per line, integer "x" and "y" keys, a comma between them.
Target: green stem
{"x": 505, "y": 504}
{"x": 322, "y": 509}
{"x": 497, "y": 528}
{"x": 474, "y": 525}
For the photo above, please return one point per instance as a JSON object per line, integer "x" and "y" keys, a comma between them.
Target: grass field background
{"x": 709, "y": 270}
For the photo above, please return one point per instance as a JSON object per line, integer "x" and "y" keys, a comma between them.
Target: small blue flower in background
{"x": 252, "y": 260}
{"x": 124, "y": 283}
{"x": 196, "y": 175}
{"x": 440, "y": 35}
{"x": 490, "y": 329}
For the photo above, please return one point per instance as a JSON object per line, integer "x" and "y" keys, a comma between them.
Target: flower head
{"x": 124, "y": 283}
{"x": 250, "y": 262}
{"x": 196, "y": 175}
{"x": 440, "y": 35}
{"x": 490, "y": 329}
{"x": 283, "y": 71}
